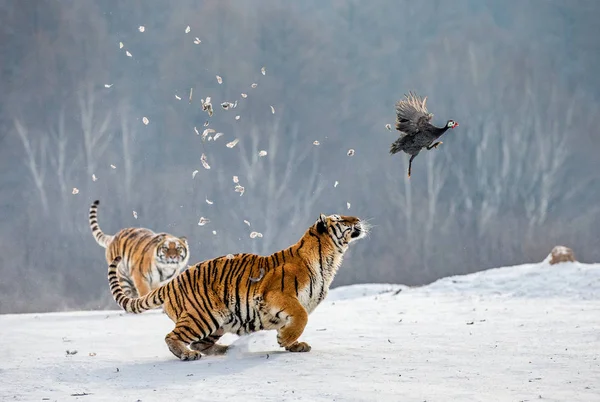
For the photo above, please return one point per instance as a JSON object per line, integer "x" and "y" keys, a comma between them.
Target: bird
{"x": 413, "y": 122}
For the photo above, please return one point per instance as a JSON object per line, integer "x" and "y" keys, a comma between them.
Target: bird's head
{"x": 451, "y": 124}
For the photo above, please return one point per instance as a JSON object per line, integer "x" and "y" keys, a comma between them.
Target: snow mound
{"x": 363, "y": 290}
{"x": 541, "y": 280}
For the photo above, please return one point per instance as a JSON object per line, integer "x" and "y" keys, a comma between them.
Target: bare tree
{"x": 552, "y": 149}
{"x": 63, "y": 167}
{"x": 96, "y": 134}
{"x": 35, "y": 153}
{"x": 128, "y": 133}
{"x": 436, "y": 177}
{"x": 400, "y": 195}
{"x": 59, "y": 156}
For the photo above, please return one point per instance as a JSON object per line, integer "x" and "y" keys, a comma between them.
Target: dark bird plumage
{"x": 413, "y": 121}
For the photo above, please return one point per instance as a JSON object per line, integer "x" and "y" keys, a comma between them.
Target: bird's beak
{"x": 455, "y": 125}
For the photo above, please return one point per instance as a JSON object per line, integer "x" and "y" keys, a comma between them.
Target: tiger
{"x": 246, "y": 293}
{"x": 149, "y": 259}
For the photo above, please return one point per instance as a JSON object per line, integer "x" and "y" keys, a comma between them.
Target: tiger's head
{"x": 173, "y": 250}
{"x": 341, "y": 229}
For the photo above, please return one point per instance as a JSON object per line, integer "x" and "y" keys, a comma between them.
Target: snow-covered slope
{"x": 574, "y": 280}
{"x": 528, "y": 332}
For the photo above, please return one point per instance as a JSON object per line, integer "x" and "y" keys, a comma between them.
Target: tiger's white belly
{"x": 311, "y": 298}
{"x": 319, "y": 293}
{"x": 321, "y": 284}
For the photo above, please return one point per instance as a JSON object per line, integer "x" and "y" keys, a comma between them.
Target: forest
{"x": 80, "y": 80}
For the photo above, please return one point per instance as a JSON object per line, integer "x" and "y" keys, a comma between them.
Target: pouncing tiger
{"x": 245, "y": 293}
{"x": 149, "y": 259}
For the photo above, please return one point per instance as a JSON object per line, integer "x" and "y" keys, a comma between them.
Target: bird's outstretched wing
{"x": 412, "y": 114}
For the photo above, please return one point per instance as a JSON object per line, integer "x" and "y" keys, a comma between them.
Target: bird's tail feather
{"x": 396, "y": 147}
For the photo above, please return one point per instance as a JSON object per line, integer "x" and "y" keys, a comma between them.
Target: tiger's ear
{"x": 184, "y": 239}
{"x": 322, "y": 224}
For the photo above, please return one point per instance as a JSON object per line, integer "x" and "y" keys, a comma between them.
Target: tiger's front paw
{"x": 298, "y": 347}
{"x": 288, "y": 336}
{"x": 285, "y": 340}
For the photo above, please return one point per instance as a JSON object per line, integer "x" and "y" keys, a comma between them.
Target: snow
{"x": 529, "y": 332}
{"x": 573, "y": 280}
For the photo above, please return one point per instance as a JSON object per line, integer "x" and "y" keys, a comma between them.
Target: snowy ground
{"x": 529, "y": 332}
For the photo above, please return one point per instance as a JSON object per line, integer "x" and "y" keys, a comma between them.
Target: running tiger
{"x": 245, "y": 293}
{"x": 149, "y": 259}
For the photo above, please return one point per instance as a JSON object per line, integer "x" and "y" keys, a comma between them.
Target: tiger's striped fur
{"x": 245, "y": 293}
{"x": 149, "y": 259}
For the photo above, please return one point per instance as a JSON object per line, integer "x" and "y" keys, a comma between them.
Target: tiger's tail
{"x": 154, "y": 299}
{"x": 101, "y": 238}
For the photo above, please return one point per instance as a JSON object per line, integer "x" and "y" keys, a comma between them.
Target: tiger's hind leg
{"x": 209, "y": 345}
{"x": 141, "y": 284}
{"x": 177, "y": 341}
{"x": 186, "y": 332}
{"x": 294, "y": 318}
